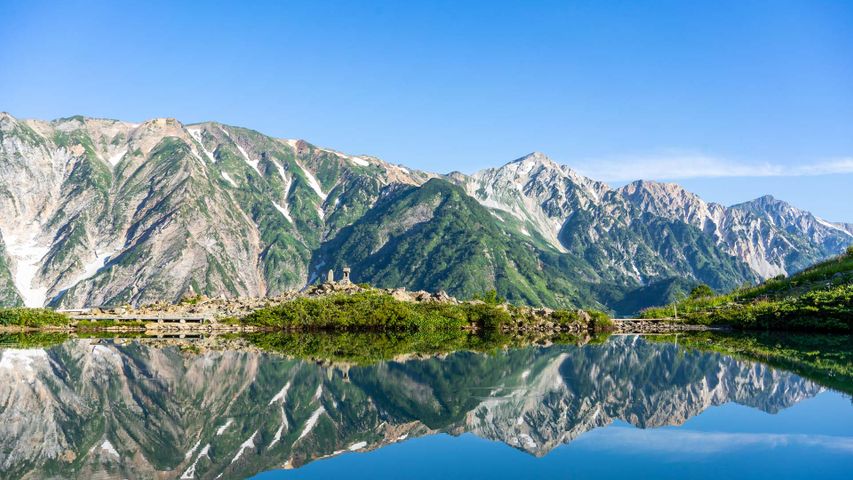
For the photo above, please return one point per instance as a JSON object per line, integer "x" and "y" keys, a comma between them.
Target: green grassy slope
{"x": 818, "y": 298}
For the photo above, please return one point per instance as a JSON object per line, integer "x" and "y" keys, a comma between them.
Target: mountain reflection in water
{"x": 123, "y": 409}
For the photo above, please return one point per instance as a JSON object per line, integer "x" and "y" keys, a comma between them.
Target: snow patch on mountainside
{"x": 117, "y": 157}
{"x": 192, "y": 450}
{"x": 284, "y": 208}
{"x": 252, "y": 163}
{"x": 221, "y": 430}
{"x": 356, "y": 160}
{"x": 281, "y": 429}
{"x": 283, "y": 211}
{"x": 190, "y": 472}
{"x": 109, "y": 448}
{"x": 26, "y": 253}
{"x": 91, "y": 268}
{"x": 229, "y": 179}
{"x": 312, "y": 181}
{"x": 832, "y": 226}
{"x": 250, "y": 443}
{"x": 281, "y": 396}
{"x": 196, "y": 134}
{"x": 283, "y": 176}
{"x": 312, "y": 421}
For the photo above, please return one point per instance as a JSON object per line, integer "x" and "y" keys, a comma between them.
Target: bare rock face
{"x": 771, "y": 236}
{"x": 537, "y": 192}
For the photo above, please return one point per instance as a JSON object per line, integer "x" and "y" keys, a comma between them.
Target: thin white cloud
{"x": 695, "y": 442}
{"x": 681, "y": 166}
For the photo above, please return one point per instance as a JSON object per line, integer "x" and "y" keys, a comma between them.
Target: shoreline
{"x": 622, "y": 326}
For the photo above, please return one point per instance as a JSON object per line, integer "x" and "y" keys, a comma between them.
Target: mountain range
{"x": 104, "y": 212}
{"x": 130, "y": 409}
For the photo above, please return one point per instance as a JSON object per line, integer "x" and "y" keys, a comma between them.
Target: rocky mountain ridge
{"x": 771, "y": 236}
{"x": 104, "y": 212}
{"x": 208, "y": 203}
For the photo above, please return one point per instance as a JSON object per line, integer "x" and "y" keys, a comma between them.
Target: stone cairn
{"x": 331, "y": 285}
{"x": 330, "y": 277}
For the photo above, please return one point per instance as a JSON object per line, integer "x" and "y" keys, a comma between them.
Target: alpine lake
{"x": 368, "y": 406}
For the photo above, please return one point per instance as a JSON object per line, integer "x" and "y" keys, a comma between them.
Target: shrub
{"x": 491, "y": 297}
{"x": 374, "y": 311}
{"x": 486, "y": 316}
{"x": 701, "y": 291}
{"x": 32, "y": 339}
{"x": 600, "y": 321}
{"x": 565, "y": 317}
{"x": 359, "y": 311}
{"x": 32, "y": 317}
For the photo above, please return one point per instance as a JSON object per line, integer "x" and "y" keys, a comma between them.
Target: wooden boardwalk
{"x": 144, "y": 318}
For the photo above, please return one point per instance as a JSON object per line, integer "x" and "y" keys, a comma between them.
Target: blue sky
{"x": 732, "y": 99}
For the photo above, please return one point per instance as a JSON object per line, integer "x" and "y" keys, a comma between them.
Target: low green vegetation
{"x": 819, "y": 298}
{"x": 358, "y": 311}
{"x": 601, "y": 322}
{"x": 32, "y": 317}
{"x": 365, "y": 348}
{"x": 377, "y": 311}
{"x": 32, "y": 339}
{"x": 491, "y": 297}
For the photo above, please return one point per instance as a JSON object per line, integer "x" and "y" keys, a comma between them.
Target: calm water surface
{"x": 630, "y": 406}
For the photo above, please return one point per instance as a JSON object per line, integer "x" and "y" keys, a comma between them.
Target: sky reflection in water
{"x": 812, "y": 439}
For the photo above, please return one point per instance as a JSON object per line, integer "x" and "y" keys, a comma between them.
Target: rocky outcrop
{"x": 536, "y": 192}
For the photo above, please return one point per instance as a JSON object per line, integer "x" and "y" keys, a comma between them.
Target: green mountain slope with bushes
{"x": 436, "y": 237}
{"x": 819, "y": 298}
